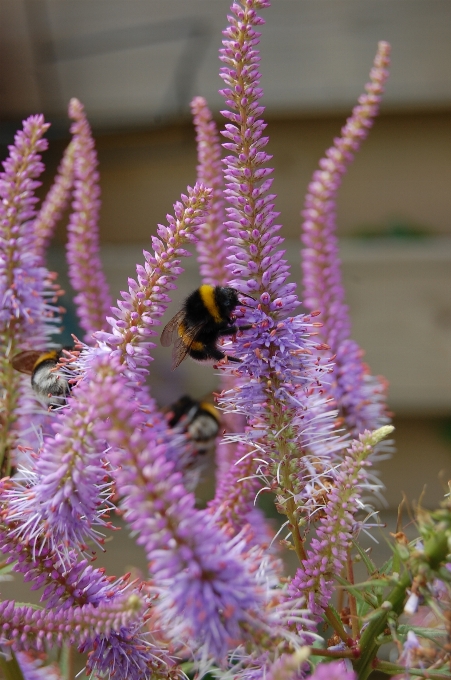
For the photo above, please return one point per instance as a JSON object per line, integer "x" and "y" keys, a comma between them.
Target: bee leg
{"x": 230, "y": 330}
{"x": 233, "y": 359}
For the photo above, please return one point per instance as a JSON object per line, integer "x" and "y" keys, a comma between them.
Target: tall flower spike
{"x": 359, "y": 396}
{"x": 206, "y": 591}
{"x": 234, "y": 501}
{"x": 25, "y": 312}
{"x": 256, "y": 263}
{"x": 111, "y": 633}
{"x": 68, "y": 502}
{"x": 65, "y": 582}
{"x": 328, "y": 551}
{"x": 279, "y": 390}
{"x": 211, "y": 245}
{"x": 143, "y": 306}
{"x": 85, "y": 268}
{"x": 55, "y": 202}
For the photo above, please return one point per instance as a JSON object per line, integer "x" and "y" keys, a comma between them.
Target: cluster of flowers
{"x": 304, "y": 419}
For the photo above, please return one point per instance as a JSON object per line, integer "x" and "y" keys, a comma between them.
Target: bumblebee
{"x": 47, "y": 383}
{"x": 199, "y": 419}
{"x": 206, "y": 315}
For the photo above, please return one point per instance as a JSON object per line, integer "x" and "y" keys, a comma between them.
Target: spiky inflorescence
{"x": 278, "y": 388}
{"x": 85, "y": 268}
{"x": 205, "y": 589}
{"x": 66, "y": 582}
{"x": 360, "y": 397}
{"x": 25, "y": 311}
{"x": 143, "y": 306}
{"x": 71, "y": 490}
{"x": 234, "y": 501}
{"x": 111, "y": 633}
{"x": 211, "y": 245}
{"x": 328, "y": 550}
{"x": 55, "y": 202}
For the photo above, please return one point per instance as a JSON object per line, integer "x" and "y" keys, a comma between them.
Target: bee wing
{"x": 169, "y": 333}
{"x": 182, "y": 344}
{"x": 25, "y": 361}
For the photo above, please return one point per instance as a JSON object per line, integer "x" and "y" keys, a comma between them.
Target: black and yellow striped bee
{"x": 206, "y": 315}
{"x": 46, "y": 382}
{"x": 199, "y": 419}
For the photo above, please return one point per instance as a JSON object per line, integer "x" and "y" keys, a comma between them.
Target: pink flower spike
{"x": 27, "y": 313}
{"x": 328, "y": 550}
{"x": 85, "y": 268}
{"x": 211, "y": 245}
{"x": 142, "y": 307}
{"x": 55, "y": 202}
{"x": 250, "y": 215}
{"x": 359, "y": 396}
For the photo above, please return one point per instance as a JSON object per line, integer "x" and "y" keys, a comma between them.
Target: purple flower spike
{"x": 336, "y": 670}
{"x": 21, "y": 278}
{"x": 85, "y": 268}
{"x": 279, "y": 389}
{"x": 234, "y": 501}
{"x": 211, "y": 246}
{"x": 328, "y": 551}
{"x": 257, "y": 266}
{"x": 206, "y": 591}
{"x": 65, "y": 582}
{"x": 143, "y": 306}
{"x": 111, "y": 634}
{"x": 34, "y": 669}
{"x": 70, "y": 497}
{"x": 55, "y": 202}
{"x": 360, "y": 397}
{"x": 26, "y": 313}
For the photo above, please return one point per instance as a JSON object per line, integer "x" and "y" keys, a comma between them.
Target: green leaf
{"x": 364, "y": 599}
{"x": 429, "y": 633}
{"x": 27, "y": 604}
{"x": 366, "y": 559}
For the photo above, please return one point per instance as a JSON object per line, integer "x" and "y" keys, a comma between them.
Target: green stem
{"x": 352, "y": 603}
{"x": 10, "y": 389}
{"x": 294, "y": 528}
{"x": 337, "y": 626}
{"x": 394, "y": 669}
{"x": 341, "y": 654}
{"x": 368, "y": 644}
{"x": 290, "y": 506}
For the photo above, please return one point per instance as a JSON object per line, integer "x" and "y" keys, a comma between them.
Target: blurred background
{"x": 136, "y": 65}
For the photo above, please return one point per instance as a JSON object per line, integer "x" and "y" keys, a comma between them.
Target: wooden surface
{"x": 139, "y": 62}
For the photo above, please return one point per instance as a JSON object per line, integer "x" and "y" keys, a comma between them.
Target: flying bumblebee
{"x": 206, "y": 315}
{"x": 199, "y": 419}
{"x": 47, "y": 383}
